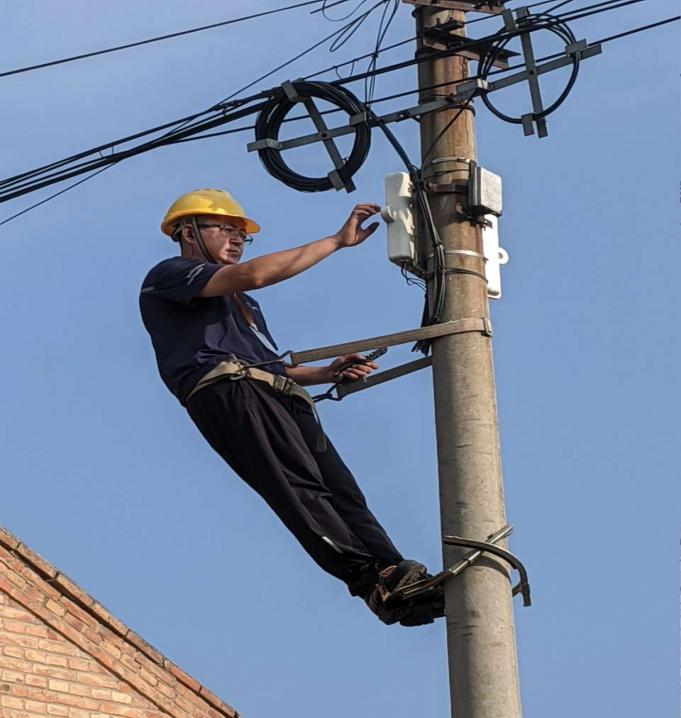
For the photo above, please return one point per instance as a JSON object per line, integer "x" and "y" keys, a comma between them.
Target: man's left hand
{"x": 350, "y": 367}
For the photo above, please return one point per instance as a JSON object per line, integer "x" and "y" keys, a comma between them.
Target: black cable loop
{"x": 530, "y": 24}
{"x": 273, "y": 115}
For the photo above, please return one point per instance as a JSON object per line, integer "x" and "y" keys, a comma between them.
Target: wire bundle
{"x": 274, "y": 113}
{"x": 198, "y": 125}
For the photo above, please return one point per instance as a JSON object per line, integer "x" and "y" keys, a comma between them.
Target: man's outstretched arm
{"x": 278, "y": 266}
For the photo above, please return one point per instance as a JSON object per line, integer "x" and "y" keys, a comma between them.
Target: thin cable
{"x": 52, "y": 196}
{"x": 161, "y": 37}
{"x": 293, "y": 59}
{"x": 354, "y": 60}
{"x": 466, "y": 105}
{"x": 555, "y": 7}
{"x": 603, "y": 40}
{"x": 383, "y": 27}
{"x": 326, "y": 6}
{"x": 606, "y": 6}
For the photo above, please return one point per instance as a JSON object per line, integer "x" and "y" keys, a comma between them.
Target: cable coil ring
{"x": 273, "y": 114}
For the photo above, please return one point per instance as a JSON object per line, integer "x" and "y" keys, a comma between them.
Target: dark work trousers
{"x": 271, "y": 442}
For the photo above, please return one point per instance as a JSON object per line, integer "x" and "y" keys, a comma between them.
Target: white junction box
{"x": 494, "y": 255}
{"x": 398, "y": 215}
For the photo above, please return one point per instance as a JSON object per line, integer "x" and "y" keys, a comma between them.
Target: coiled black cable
{"x": 532, "y": 23}
{"x": 273, "y": 114}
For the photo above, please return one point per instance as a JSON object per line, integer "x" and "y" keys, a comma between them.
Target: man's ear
{"x": 187, "y": 233}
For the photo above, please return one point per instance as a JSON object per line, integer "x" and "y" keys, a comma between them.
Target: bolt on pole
{"x": 483, "y": 672}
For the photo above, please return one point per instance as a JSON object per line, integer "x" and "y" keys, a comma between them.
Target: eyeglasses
{"x": 229, "y": 231}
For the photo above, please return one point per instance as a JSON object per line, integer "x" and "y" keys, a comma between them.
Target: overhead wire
{"x": 353, "y": 78}
{"x": 183, "y": 122}
{"x": 52, "y": 196}
{"x": 173, "y": 136}
{"x": 160, "y": 38}
{"x": 383, "y": 27}
{"x": 310, "y": 49}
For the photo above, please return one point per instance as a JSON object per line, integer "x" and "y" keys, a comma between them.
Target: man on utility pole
{"x": 480, "y": 630}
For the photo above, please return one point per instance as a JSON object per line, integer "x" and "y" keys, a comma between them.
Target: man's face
{"x": 224, "y": 237}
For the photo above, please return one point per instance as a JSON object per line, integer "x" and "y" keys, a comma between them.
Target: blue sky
{"x": 104, "y": 474}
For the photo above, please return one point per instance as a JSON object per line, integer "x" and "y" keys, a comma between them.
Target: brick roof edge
{"x": 72, "y": 592}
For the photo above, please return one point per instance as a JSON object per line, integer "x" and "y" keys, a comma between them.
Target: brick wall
{"x": 64, "y": 654}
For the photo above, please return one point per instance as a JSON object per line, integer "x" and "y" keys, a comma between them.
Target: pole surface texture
{"x": 483, "y": 671}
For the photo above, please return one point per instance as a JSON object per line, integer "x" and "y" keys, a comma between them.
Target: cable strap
{"x": 457, "y": 326}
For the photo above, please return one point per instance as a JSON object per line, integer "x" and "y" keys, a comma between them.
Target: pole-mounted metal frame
{"x": 573, "y": 53}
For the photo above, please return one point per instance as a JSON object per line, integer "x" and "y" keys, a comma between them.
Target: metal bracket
{"x": 441, "y": 37}
{"x": 580, "y": 50}
{"x": 456, "y": 326}
{"x": 420, "y": 588}
{"x": 492, "y": 7}
{"x": 459, "y": 95}
{"x": 352, "y": 387}
{"x": 329, "y": 144}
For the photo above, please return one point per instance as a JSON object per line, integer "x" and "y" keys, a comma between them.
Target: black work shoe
{"x": 397, "y": 577}
{"x": 421, "y": 612}
{"x": 389, "y": 580}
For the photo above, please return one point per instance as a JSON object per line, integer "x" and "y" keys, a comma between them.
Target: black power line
{"x": 179, "y": 136}
{"x": 184, "y": 121}
{"x": 159, "y": 38}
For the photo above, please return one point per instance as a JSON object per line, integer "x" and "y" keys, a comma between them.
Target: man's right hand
{"x": 352, "y": 232}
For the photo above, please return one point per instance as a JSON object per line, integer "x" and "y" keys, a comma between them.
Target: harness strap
{"x": 236, "y": 370}
{"x": 457, "y": 326}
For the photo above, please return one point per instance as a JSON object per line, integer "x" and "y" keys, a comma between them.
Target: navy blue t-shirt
{"x": 193, "y": 334}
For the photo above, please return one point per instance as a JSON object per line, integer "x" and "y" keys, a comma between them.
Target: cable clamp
{"x": 265, "y": 144}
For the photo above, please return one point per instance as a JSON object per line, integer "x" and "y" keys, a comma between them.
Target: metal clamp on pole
{"x": 522, "y": 587}
{"x": 421, "y": 588}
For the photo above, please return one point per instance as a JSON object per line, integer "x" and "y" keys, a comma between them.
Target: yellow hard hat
{"x": 206, "y": 201}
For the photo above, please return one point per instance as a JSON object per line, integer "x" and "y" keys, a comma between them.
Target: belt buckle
{"x": 282, "y": 384}
{"x": 243, "y": 371}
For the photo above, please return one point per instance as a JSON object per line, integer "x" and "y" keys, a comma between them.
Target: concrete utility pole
{"x": 481, "y": 648}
